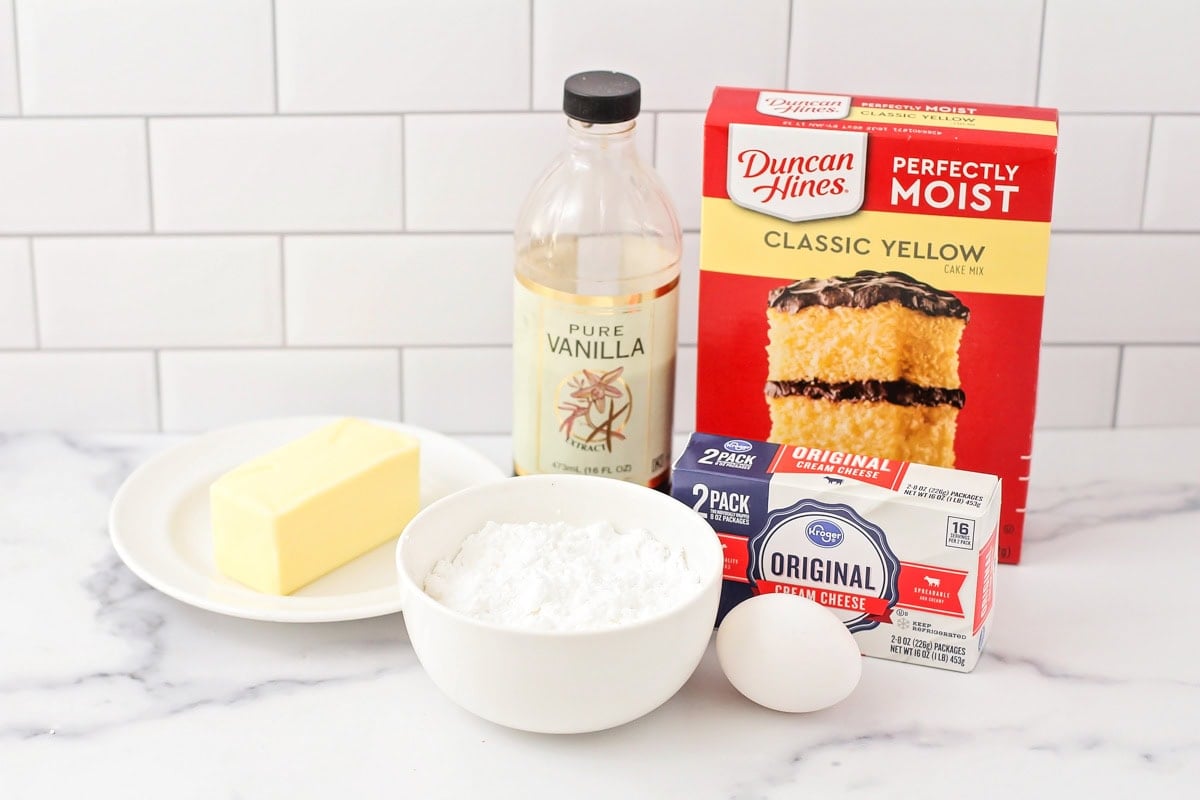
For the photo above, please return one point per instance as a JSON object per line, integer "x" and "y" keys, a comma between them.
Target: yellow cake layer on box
{"x": 886, "y": 342}
{"x": 924, "y": 434}
{"x": 288, "y": 517}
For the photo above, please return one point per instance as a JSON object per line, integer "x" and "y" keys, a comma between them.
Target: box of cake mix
{"x": 904, "y": 554}
{"x": 872, "y": 275}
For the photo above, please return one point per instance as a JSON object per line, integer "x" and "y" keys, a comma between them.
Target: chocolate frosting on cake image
{"x": 865, "y": 289}
{"x": 900, "y": 393}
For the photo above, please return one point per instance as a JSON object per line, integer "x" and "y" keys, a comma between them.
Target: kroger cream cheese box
{"x": 872, "y": 273}
{"x": 903, "y": 553}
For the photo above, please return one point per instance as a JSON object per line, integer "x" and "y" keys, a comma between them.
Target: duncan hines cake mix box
{"x": 904, "y": 554}
{"x": 872, "y": 274}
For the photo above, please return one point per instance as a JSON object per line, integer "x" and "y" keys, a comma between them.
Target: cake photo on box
{"x": 866, "y": 364}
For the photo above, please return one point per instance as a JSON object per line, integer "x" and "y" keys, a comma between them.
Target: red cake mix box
{"x": 872, "y": 273}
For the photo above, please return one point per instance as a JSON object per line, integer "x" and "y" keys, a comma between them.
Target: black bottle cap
{"x": 602, "y": 97}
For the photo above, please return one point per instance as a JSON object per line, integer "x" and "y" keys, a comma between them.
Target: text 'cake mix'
{"x": 872, "y": 276}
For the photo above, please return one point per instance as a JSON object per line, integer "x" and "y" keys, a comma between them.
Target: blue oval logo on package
{"x": 738, "y": 446}
{"x": 824, "y": 533}
{"x": 794, "y": 552}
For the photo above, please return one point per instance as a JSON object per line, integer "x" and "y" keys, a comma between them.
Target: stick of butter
{"x": 288, "y": 517}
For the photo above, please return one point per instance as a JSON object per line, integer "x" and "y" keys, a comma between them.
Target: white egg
{"x": 788, "y": 653}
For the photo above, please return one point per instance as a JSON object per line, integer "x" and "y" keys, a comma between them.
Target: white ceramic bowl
{"x": 553, "y": 681}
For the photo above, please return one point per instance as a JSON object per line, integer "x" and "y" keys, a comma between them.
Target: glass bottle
{"x": 596, "y": 299}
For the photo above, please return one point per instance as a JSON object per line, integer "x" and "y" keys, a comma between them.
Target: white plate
{"x": 159, "y": 524}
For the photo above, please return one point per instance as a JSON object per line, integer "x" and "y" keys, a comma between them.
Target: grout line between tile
{"x": 1117, "y": 389}
{"x": 369, "y": 114}
{"x": 531, "y": 5}
{"x": 158, "y": 394}
{"x": 283, "y": 316}
{"x": 787, "y": 53}
{"x": 1140, "y": 113}
{"x": 149, "y": 175}
{"x": 1146, "y": 174}
{"x": 1129, "y": 231}
{"x": 1144, "y": 343}
{"x": 17, "y": 59}
{"x": 654, "y": 139}
{"x": 294, "y": 347}
{"x": 403, "y": 172}
{"x": 484, "y": 112}
{"x": 131, "y": 234}
{"x": 1037, "y": 75}
{"x": 400, "y": 377}
{"x": 1079, "y": 345}
{"x": 37, "y": 313}
{"x": 274, "y": 62}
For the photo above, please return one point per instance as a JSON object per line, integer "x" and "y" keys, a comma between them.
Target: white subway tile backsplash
{"x": 167, "y": 291}
{"x": 983, "y": 51}
{"x": 467, "y": 173}
{"x": 1112, "y": 288}
{"x": 205, "y": 389}
{"x": 145, "y": 56}
{"x": 72, "y": 176}
{"x": 1159, "y": 386}
{"x": 9, "y": 101}
{"x": 677, "y": 51}
{"x": 16, "y": 295}
{"x": 679, "y": 160}
{"x": 402, "y": 290}
{"x": 384, "y": 55}
{"x": 685, "y": 390}
{"x": 1089, "y": 198}
{"x": 459, "y": 390}
{"x": 1112, "y": 55}
{"x": 277, "y": 174}
{"x": 308, "y": 205}
{"x": 78, "y": 392}
{"x": 1172, "y": 201}
{"x": 1077, "y": 386}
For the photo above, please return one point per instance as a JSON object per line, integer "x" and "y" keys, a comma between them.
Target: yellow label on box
{"x": 974, "y": 255}
{"x": 937, "y": 119}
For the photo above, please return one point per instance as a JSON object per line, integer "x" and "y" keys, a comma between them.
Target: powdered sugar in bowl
{"x": 551, "y": 657}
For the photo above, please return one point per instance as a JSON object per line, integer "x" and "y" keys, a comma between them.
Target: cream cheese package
{"x": 904, "y": 554}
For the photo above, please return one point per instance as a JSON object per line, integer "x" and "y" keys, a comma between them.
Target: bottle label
{"x": 594, "y": 382}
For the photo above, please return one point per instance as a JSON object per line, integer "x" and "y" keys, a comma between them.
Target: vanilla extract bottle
{"x": 596, "y": 299}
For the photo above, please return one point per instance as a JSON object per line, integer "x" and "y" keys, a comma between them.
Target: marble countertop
{"x": 1090, "y": 686}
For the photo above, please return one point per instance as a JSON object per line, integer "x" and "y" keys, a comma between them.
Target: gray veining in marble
{"x": 1090, "y": 687}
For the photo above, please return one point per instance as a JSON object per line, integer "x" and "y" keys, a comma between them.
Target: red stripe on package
{"x": 926, "y": 588}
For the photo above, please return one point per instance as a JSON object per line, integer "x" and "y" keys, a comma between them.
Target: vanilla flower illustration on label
{"x": 595, "y": 407}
